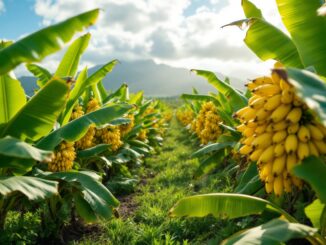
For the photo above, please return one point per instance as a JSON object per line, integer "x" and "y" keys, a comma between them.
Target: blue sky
{"x": 18, "y": 18}
{"x": 180, "y": 33}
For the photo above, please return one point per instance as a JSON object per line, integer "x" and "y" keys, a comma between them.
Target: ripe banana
{"x": 267, "y": 90}
{"x": 278, "y": 185}
{"x": 280, "y": 113}
{"x": 287, "y": 96}
{"x": 291, "y": 161}
{"x": 320, "y": 145}
{"x": 258, "y": 103}
{"x": 279, "y": 165}
{"x": 280, "y": 125}
{"x": 273, "y": 102}
{"x": 262, "y": 80}
{"x": 303, "y": 134}
{"x": 245, "y": 150}
{"x": 313, "y": 149}
{"x": 279, "y": 136}
{"x": 315, "y": 132}
{"x": 262, "y": 141}
{"x": 293, "y": 128}
{"x": 291, "y": 143}
{"x": 267, "y": 155}
{"x": 279, "y": 149}
{"x": 303, "y": 150}
{"x": 262, "y": 114}
{"x": 256, "y": 154}
{"x": 294, "y": 115}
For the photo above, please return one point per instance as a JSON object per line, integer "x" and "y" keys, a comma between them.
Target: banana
{"x": 303, "y": 150}
{"x": 315, "y": 132}
{"x": 297, "y": 182}
{"x": 293, "y": 128}
{"x": 304, "y": 134}
{"x": 279, "y": 136}
{"x": 278, "y": 185}
{"x": 262, "y": 114}
{"x": 262, "y": 80}
{"x": 297, "y": 101}
{"x": 241, "y": 128}
{"x": 249, "y": 132}
{"x": 321, "y": 128}
{"x": 251, "y": 85}
{"x": 278, "y": 65}
{"x": 279, "y": 149}
{"x": 275, "y": 77}
{"x": 280, "y": 113}
{"x": 273, "y": 102}
{"x": 245, "y": 150}
{"x": 287, "y": 183}
{"x": 248, "y": 115}
{"x": 267, "y": 90}
{"x": 258, "y": 103}
{"x": 242, "y": 111}
{"x": 261, "y": 129}
{"x": 266, "y": 170}
{"x": 294, "y": 115}
{"x": 313, "y": 149}
{"x": 269, "y": 186}
{"x": 267, "y": 155}
{"x": 284, "y": 85}
{"x": 251, "y": 124}
{"x": 249, "y": 140}
{"x": 256, "y": 154}
{"x": 291, "y": 143}
{"x": 280, "y": 125}
{"x": 253, "y": 98}
{"x": 320, "y": 145}
{"x": 291, "y": 161}
{"x": 279, "y": 165}
{"x": 262, "y": 141}
{"x": 287, "y": 96}
{"x": 269, "y": 128}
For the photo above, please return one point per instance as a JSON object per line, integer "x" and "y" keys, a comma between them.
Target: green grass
{"x": 149, "y": 223}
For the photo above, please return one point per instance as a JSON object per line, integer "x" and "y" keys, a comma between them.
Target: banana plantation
{"x": 83, "y": 164}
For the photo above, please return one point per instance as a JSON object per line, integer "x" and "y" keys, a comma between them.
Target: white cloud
{"x": 2, "y": 6}
{"x": 159, "y": 30}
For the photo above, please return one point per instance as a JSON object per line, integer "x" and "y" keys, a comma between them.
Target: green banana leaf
{"x": 42, "y": 74}
{"x": 102, "y": 91}
{"x": 137, "y": 98}
{"x": 12, "y": 147}
{"x": 212, "y": 148}
{"x": 35, "y": 189}
{"x": 211, "y": 163}
{"x": 82, "y": 84}
{"x": 313, "y": 170}
{"x": 92, "y": 191}
{"x": 196, "y": 97}
{"x": 236, "y": 99}
{"x": 37, "y": 118}
{"x": 314, "y": 212}
{"x": 268, "y": 42}
{"x": 12, "y": 97}
{"x": 93, "y": 151}
{"x": 250, "y": 10}
{"x": 307, "y": 29}
{"x": 36, "y": 46}
{"x": 77, "y": 128}
{"x": 249, "y": 182}
{"x": 69, "y": 63}
{"x": 276, "y": 231}
{"x": 116, "y": 94}
{"x": 224, "y": 205}
{"x": 310, "y": 88}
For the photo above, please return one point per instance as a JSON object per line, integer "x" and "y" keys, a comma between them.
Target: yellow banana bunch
{"x": 87, "y": 140}
{"x": 278, "y": 132}
{"x": 206, "y": 124}
{"x": 109, "y": 135}
{"x": 63, "y": 157}
{"x": 185, "y": 116}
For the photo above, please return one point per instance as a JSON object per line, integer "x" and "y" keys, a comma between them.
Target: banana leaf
{"x": 36, "y": 46}
{"x": 42, "y": 74}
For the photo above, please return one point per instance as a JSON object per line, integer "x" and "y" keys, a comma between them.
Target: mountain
{"x": 157, "y": 80}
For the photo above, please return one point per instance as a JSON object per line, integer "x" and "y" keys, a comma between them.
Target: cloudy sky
{"x": 180, "y": 33}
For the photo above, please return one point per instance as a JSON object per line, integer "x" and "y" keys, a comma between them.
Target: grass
{"x": 149, "y": 223}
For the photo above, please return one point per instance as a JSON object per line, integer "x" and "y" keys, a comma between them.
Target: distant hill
{"x": 156, "y": 80}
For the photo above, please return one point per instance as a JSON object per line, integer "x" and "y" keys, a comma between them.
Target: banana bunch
{"x": 77, "y": 112}
{"x": 63, "y": 157}
{"x": 185, "y": 116}
{"x": 206, "y": 124}
{"x": 278, "y": 132}
{"x": 109, "y": 135}
{"x": 126, "y": 128}
{"x": 142, "y": 135}
{"x": 87, "y": 140}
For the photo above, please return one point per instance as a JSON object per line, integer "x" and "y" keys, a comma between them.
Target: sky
{"x": 179, "y": 33}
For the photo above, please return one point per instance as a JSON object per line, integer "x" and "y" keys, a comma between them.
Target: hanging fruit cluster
{"x": 142, "y": 135}
{"x": 63, "y": 157}
{"x": 278, "y": 132}
{"x": 109, "y": 135}
{"x": 206, "y": 124}
{"x": 87, "y": 140}
{"x": 185, "y": 116}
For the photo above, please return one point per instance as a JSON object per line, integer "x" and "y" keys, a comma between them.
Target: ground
{"x": 166, "y": 178}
